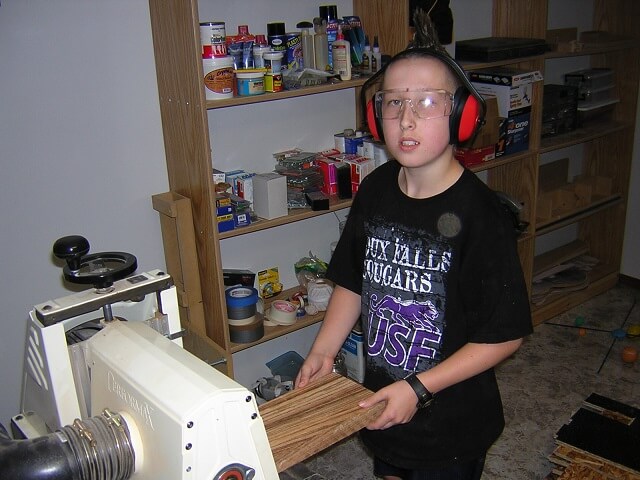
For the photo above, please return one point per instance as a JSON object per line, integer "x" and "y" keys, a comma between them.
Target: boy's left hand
{"x": 401, "y": 405}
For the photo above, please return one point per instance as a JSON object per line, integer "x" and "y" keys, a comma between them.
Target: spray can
{"x": 294, "y": 51}
{"x": 277, "y": 38}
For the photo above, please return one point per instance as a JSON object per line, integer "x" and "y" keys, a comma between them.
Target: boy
{"x": 428, "y": 262}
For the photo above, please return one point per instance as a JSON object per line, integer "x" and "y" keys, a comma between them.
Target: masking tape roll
{"x": 244, "y": 321}
{"x": 281, "y": 312}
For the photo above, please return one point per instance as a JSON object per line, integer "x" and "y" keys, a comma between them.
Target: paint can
{"x": 212, "y": 39}
{"x": 250, "y": 83}
{"x": 273, "y": 82}
{"x": 218, "y": 77}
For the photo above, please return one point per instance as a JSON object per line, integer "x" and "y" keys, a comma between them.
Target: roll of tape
{"x": 241, "y": 302}
{"x": 247, "y": 333}
{"x": 281, "y": 312}
{"x": 244, "y": 321}
{"x": 319, "y": 293}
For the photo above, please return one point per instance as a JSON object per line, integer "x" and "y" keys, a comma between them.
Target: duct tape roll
{"x": 281, "y": 312}
{"x": 241, "y": 304}
{"x": 319, "y": 293}
{"x": 249, "y": 333}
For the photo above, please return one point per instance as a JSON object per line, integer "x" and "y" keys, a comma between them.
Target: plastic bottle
{"x": 376, "y": 56}
{"x": 321, "y": 44}
{"x": 260, "y": 48}
{"x": 367, "y": 56}
{"x": 341, "y": 50}
{"x": 308, "y": 59}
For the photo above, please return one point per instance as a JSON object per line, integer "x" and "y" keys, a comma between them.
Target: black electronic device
{"x": 559, "y": 109}
{"x": 491, "y": 49}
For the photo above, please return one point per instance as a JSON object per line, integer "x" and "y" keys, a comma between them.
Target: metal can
{"x": 213, "y": 39}
{"x": 273, "y": 82}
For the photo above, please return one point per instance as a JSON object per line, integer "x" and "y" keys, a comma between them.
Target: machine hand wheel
{"x": 97, "y": 269}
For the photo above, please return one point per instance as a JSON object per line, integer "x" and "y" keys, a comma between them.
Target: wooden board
{"x": 305, "y": 421}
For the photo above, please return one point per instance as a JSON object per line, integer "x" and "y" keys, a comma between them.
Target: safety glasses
{"x": 425, "y": 104}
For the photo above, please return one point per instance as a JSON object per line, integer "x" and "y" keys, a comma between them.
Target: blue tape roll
{"x": 241, "y": 302}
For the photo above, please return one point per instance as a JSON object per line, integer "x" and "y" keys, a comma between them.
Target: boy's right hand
{"x": 315, "y": 366}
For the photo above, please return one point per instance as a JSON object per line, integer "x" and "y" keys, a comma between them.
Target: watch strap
{"x": 425, "y": 397}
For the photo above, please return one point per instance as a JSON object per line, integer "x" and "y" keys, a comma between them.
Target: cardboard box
{"x": 513, "y": 90}
{"x": 475, "y": 156}
{"x": 270, "y": 195}
{"x": 225, "y": 222}
{"x": 329, "y": 175}
{"x": 489, "y": 133}
{"x": 514, "y": 132}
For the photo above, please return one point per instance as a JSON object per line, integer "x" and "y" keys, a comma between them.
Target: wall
{"x": 81, "y": 148}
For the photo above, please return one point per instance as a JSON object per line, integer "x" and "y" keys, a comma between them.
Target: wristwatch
{"x": 425, "y": 397}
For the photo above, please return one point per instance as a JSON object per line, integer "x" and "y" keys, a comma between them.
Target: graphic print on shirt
{"x": 404, "y": 295}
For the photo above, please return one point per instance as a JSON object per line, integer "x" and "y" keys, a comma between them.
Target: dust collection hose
{"x": 98, "y": 448}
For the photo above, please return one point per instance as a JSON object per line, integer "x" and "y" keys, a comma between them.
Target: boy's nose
{"x": 407, "y": 115}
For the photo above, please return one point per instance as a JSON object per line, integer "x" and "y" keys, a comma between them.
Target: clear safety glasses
{"x": 425, "y": 104}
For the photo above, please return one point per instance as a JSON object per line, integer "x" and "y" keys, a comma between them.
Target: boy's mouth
{"x": 409, "y": 143}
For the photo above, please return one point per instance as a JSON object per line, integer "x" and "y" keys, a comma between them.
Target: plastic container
{"x": 595, "y": 110}
{"x": 218, "y": 77}
{"x": 273, "y": 61}
{"x": 590, "y": 78}
{"x": 250, "y": 83}
{"x": 341, "y": 49}
{"x": 597, "y": 95}
{"x": 259, "y": 49}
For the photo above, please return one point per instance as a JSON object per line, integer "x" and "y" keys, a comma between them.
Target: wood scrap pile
{"x": 565, "y": 277}
{"x": 600, "y": 442}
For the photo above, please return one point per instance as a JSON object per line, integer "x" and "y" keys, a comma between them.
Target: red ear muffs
{"x": 373, "y": 123}
{"x": 465, "y": 116}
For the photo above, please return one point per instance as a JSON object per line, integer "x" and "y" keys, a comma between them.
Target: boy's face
{"x": 412, "y": 140}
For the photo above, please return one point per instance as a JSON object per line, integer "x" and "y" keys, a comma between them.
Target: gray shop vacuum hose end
{"x": 98, "y": 448}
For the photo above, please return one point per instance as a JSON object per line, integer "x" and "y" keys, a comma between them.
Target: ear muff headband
{"x": 468, "y": 110}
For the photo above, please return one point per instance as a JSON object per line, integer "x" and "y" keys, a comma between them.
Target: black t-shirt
{"x": 433, "y": 275}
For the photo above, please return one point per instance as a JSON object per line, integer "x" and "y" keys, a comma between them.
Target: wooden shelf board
{"x": 601, "y": 278}
{"x": 295, "y": 215}
{"x": 573, "y": 216}
{"x": 274, "y": 332}
{"x": 503, "y": 160}
{"x": 586, "y": 51}
{"x": 580, "y": 135}
{"x": 559, "y": 255}
{"x": 299, "y": 92}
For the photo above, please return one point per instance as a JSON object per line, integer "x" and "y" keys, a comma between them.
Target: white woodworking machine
{"x": 117, "y": 397}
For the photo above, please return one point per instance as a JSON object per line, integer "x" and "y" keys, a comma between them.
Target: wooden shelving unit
{"x": 607, "y": 145}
